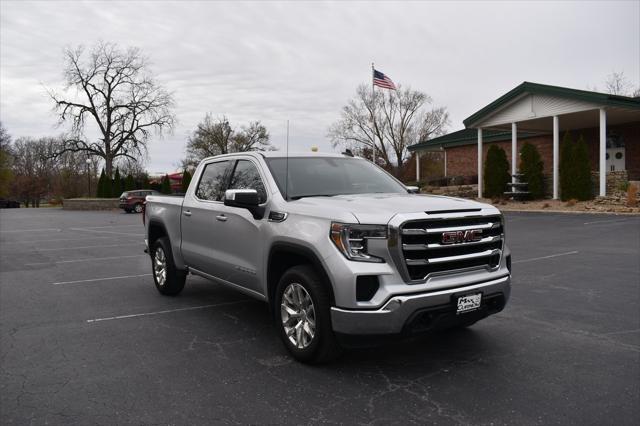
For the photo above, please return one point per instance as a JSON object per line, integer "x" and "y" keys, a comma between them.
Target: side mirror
{"x": 413, "y": 189}
{"x": 241, "y": 198}
{"x": 244, "y": 198}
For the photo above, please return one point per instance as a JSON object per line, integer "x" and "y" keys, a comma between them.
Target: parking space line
{"x": 596, "y": 222}
{"x": 60, "y": 239}
{"x": 32, "y": 230}
{"x": 86, "y": 247}
{"x": 100, "y": 279}
{"x": 545, "y": 257}
{"x": 139, "y": 225}
{"x": 85, "y": 260}
{"x": 168, "y": 311}
{"x": 128, "y": 234}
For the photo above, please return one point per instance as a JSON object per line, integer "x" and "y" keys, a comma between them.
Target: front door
{"x": 242, "y": 257}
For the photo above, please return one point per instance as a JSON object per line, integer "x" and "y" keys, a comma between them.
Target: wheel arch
{"x": 155, "y": 231}
{"x": 284, "y": 255}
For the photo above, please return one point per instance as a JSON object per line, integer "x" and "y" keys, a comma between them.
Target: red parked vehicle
{"x": 132, "y": 201}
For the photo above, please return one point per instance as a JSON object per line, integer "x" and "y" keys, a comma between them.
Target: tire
{"x": 302, "y": 283}
{"x": 137, "y": 208}
{"x": 168, "y": 279}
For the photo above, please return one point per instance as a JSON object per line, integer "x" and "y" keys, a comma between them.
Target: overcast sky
{"x": 273, "y": 61}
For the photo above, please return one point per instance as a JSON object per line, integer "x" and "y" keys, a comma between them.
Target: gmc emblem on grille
{"x": 457, "y": 237}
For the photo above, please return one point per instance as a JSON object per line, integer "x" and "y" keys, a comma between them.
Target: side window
{"x": 212, "y": 181}
{"x": 246, "y": 176}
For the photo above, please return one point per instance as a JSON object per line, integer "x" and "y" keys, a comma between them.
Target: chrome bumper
{"x": 398, "y": 310}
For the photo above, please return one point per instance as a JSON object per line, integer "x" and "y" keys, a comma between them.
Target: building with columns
{"x": 541, "y": 114}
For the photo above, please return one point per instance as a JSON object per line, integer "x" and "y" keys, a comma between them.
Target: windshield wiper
{"x": 297, "y": 197}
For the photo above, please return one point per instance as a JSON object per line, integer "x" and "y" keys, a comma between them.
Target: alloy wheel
{"x": 298, "y": 315}
{"x": 160, "y": 266}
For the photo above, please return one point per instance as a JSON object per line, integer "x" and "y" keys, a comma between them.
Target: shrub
{"x": 165, "y": 187}
{"x": 575, "y": 170}
{"x": 531, "y": 166}
{"x": 103, "y": 184}
{"x": 496, "y": 172}
{"x": 632, "y": 196}
{"x": 186, "y": 180}
{"x": 118, "y": 184}
{"x": 129, "y": 183}
{"x": 566, "y": 167}
{"x": 582, "y": 171}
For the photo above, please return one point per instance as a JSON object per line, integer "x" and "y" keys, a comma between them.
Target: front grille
{"x": 424, "y": 252}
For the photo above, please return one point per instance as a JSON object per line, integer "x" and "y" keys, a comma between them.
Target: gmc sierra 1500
{"x": 334, "y": 244}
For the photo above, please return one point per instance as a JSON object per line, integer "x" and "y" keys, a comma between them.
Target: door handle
{"x": 221, "y": 218}
{"x": 186, "y": 213}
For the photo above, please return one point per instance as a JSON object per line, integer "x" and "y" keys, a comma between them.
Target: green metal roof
{"x": 535, "y": 88}
{"x": 468, "y": 137}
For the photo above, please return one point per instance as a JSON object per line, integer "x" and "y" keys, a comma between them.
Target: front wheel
{"x": 168, "y": 279}
{"x": 303, "y": 316}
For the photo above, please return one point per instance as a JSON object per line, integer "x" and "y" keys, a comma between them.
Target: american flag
{"x": 381, "y": 80}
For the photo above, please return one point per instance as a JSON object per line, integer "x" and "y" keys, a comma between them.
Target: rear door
{"x": 202, "y": 217}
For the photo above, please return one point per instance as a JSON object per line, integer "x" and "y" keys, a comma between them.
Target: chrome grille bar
{"x": 417, "y": 247}
{"x": 434, "y": 260}
{"x": 421, "y": 231}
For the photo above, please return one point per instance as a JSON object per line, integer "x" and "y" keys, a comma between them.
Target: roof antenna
{"x": 286, "y": 178}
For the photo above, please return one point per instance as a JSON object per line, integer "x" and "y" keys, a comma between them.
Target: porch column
{"x": 603, "y": 152}
{"x": 479, "y": 163}
{"x": 514, "y": 151}
{"x": 417, "y": 166}
{"x": 556, "y": 155}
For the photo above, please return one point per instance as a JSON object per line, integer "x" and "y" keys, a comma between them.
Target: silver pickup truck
{"x": 338, "y": 248}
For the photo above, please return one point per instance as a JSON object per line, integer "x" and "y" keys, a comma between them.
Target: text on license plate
{"x": 469, "y": 302}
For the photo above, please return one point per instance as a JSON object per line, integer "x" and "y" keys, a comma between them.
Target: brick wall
{"x": 463, "y": 160}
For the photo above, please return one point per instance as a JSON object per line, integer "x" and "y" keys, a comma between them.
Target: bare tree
{"x": 400, "y": 120}
{"x": 216, "y": 136}
{"x": 618, "y": 84}
{"x": 33, "y": 167}
{"x": 253, "y": 137}
{"x": 113, "y": 90}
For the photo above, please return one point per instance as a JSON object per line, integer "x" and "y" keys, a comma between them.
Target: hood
{"x": 380, "y": 208}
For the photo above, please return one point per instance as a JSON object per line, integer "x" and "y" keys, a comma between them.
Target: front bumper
{"x": 421, "y": 312}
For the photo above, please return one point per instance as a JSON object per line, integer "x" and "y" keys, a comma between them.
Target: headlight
{"x": 351, "y": 240}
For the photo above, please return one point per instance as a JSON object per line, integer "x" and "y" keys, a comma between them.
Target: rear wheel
{"x": 303, "y": 316}
{"x": 138, "y": 208}
{"x": 168, "y": 279}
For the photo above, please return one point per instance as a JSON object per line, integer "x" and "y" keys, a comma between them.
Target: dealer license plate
{"x": 470, "y": 302}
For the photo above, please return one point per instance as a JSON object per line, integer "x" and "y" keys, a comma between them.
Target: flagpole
{"x": 373, "y": 110}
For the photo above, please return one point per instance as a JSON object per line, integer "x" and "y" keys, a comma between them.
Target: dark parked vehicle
{"x": 132, "y": 201}
{"x": 9, "y": 204}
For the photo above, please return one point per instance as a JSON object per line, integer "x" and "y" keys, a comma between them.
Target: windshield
{"x": 328, "y": 176}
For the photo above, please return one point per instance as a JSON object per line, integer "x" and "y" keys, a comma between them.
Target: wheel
{"x": 168, "y": 279}
{"x": 138, "y": 208}
{"x": 303, "y": 316}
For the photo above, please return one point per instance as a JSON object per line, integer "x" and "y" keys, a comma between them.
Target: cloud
{"x": 273, "y": 61}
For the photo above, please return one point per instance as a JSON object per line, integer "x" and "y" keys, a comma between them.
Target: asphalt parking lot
{"x": 86, "y": 339}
